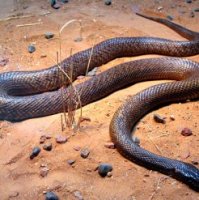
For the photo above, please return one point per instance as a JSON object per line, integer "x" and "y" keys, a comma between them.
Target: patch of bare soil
{"x": 20, "y": 177}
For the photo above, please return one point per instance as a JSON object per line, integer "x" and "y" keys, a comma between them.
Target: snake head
{"x": 188, "y": 174}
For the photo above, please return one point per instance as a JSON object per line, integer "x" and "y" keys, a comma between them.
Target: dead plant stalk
{"x": 70, "y": 120}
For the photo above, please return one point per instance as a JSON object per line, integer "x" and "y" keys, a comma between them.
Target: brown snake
{"x": 32, "y": 94}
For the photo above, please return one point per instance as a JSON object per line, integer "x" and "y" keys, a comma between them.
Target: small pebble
{"x": 43, "y": 56}
{"x": 4, "y": 62}
{"x": 160, "y": 8}
{"x": 77, "y": 148}
{"x": 85, "y": 153}
{"x": 13, "y": 195}
{"x": 42, "y": 139}
{"x": 35, "y": 152}
{"x": 31, "y": 48}
{"x": 108, "y": 2}
{"x": 196, "y": 10}
{"x": 185, "y": 154}
{"x": 25, "y": 7}
{"x": 172, "y": 117}
{"x": 195, "y": 162}
{"x": 61, "y": 139}
{"x": 49, "y": 35}
{"x": 48, "y": 147}
{"x": 44, "y": 171}
{"x": 104, "y": 168}
{"x": 109, "y": 145}
{"x": 109, "y": 174}
{"x": 169, "y": 17}
{"x": 54, "y": 4}
{"x": 48, "y": 136}
{"x": 188, "y": 1}
{"x": 92, "y": 72}
{"x": 191, "y": 14}
{"x": 186, "y": 132}
{"x": 136, "y": 140}
{"x": 159, "y": 119}
{"x": 85, "y": 119}
{"x": 71, "y": 161}
{"x": 43, "y": 165}
{"x": 78, "y": 195}
{"x": 51, "y": 196}
{"x": 78, "y": 39}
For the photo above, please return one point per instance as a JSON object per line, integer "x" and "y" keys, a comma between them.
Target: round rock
{"x": 49, "y": 35}
{"x": 108, "y": 2}
{"x": 48, "y": 147}
{"x": 51, "y": 196}
{"x": 31, "y": 48}
{"x": 186, "y": 132}
{"x": 104, "y": 168}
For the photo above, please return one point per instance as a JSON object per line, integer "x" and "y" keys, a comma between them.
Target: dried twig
{"x": 31, "y": 24}
{"x": 161, "y": 179}
{"x": 156, "y": 146}
{"x": 71, "y": 110}
{"x": 15, "y": 17}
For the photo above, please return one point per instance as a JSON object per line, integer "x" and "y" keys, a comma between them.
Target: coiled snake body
{"x": 26, "y": 95}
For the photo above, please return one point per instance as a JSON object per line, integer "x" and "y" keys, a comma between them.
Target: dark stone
{"x": 186, "y": 132}
{"x": 48, "y": 147}
{"x": 195, "y": 162}
{"x": 51, "y": 196}
{"x": 104, "y": 168}
{"x": 188, "y": 1}
{"x": 85, "y": 153}
{"x": 31, "y": 48}
{"x": 196, "y": 10}
{"x": 71, "y": 161}
{"x": 35, "y": 152}
{"x": 54, "y": 4}
{"x": 159, "y": 119}
{"x": 108, "y": 2}
{"x": 49, "y": 35}
{"x": 169, "y": 17}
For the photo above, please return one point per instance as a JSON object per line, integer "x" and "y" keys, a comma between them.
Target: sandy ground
{"x": 20, "y": 177}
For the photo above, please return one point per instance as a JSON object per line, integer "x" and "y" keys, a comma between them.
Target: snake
{"x": 32, "y": 94}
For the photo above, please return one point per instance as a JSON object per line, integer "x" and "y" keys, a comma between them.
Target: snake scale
{"x": 30, "y": 94}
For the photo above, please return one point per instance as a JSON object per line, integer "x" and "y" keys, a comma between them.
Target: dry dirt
{"x": 19, "y": 176}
